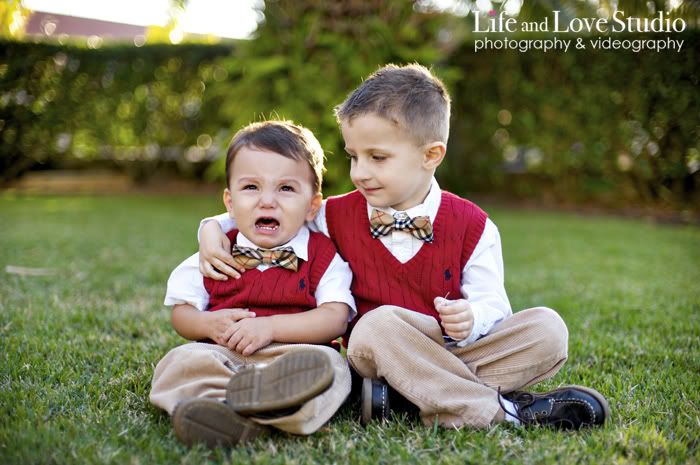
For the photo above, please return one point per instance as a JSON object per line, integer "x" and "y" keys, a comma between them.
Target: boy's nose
{"x": 359, "y": 172}
{"x": 268, "y": 199}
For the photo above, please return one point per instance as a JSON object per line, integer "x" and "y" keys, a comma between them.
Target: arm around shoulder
{"x": 215, "y": 260}
{"x": 223, "y": 220}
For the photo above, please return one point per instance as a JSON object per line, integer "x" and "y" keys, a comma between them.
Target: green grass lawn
{"x": 78, "y": 347}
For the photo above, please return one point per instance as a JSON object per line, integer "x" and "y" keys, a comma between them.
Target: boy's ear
{"x": 228, "y": 201}
{"x": 315, "y": 206}
{"x": 433, "y": 154}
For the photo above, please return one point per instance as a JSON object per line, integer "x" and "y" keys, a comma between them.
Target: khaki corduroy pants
{"x": 203, "y": 370}
{"x": 452, "y": 385}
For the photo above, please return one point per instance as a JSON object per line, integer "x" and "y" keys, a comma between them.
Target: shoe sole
{"x": 366, "y": 397}
{"x": 367, "y": 402}
{"x": 287, "y": 382}
{"x": 595, "y": 394}
{"x": 213, "y": 423}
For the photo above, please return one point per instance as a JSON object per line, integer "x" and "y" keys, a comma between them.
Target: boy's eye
{"x": 286, "y": 188}
{"x": 250, "y": 187}
{"x": 378, "y": 157}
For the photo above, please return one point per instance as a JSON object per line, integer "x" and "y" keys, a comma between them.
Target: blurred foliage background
{"x": 610, "y": 127}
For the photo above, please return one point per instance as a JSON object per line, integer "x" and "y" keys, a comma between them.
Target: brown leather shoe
{"x": 212, "y": 422}
{"x": 289, "y": 381}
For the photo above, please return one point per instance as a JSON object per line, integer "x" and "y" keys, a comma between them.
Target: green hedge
{"x": 582, "y": 125}
{"x": 138, "y": 107}
{"x": 586, "y": 124}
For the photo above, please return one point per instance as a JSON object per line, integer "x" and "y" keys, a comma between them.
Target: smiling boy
{"x": 461, "y": 360}
{"x": 263, "y": 366}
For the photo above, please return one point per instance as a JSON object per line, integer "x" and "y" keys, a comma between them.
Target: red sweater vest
{"x": 276, "y": 290}
{"x": 436, "y": 270}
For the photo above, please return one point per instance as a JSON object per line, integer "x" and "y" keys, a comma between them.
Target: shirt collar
{"x": 429, "y": 207}
{"x": 299, "y": 243}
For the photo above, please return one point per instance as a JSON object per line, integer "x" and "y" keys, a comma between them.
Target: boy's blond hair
{"x": 410, "y": 96}
{"x": 283, "y": 137}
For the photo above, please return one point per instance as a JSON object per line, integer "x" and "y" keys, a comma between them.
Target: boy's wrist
{"x": 272, "y": 322}
{"x": 205, "y": 325}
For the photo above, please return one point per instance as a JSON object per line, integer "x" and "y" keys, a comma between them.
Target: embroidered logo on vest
{"x": 448, "y": 275}
{"x": 302, "y": 284}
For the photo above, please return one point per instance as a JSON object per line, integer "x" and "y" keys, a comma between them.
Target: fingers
{"x": 241, "y": 313}
{"x": 458, "y": 331}
{"x": 215, "y": 261}
{"x": 459, "y": 336}
{"x": 236, "y": 313}
{"x": 223, "y": 254}
{"x": 223, "y": 335}
{"x": 452, "y": 307}
{"x": 226, "y": 337}
{"x": 464, "y": 326}
{"x": 456, "y": 318}
{"x": 243, "y": 344}
{"x": 242, "y": 341}
{"x": 250, "y": 350}
{"x": 235, "y": 338}
{"x": 224, "y": 267}
{"x": 207, "y": 270}
{"x": 217, "y": 268}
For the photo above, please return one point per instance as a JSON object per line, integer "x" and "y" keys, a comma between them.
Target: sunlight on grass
{"x": 79, "y": 346}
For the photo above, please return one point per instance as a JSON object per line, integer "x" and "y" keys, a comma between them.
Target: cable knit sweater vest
{"x": 380, "y": 279}
{"x": 275, "y": 290}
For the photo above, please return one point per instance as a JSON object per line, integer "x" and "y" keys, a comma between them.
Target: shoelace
{"x": 513, "y": 414}
{"x": 527, "y": 399}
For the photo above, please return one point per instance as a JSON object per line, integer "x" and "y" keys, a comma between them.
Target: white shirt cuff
{"x": 199, "y": 304}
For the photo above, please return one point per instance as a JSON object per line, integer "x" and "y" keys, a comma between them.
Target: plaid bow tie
{"x": 381, "y": 224}
{"x": 251, "y": 258}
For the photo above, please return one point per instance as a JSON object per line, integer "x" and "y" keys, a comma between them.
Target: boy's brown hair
{"x": 283, "y": 137}
{"x": 410, "y": 96}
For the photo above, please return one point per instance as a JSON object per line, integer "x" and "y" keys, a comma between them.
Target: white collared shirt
{"x": 186, "y": 284}
{"x": 482, "y": 280}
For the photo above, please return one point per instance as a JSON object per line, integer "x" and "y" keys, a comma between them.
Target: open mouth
{"x": 267, "y": 224}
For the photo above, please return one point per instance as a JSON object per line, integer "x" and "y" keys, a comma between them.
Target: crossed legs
{"x": 457, "y": 386}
